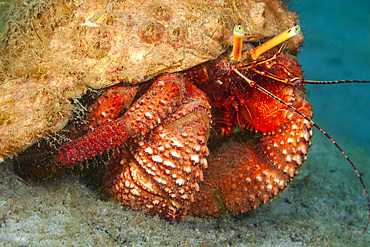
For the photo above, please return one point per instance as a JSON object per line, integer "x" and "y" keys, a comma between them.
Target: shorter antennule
{"x": 238, "y": 42}
{"x": 259, "y": 50}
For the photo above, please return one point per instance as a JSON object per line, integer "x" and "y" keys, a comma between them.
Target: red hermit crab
{"x": 175, "y": 148}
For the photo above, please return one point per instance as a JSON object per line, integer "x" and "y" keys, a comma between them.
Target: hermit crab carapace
{"x": 176, "y": 148}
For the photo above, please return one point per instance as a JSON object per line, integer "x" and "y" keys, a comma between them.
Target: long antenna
{"x": 334, "y": 82}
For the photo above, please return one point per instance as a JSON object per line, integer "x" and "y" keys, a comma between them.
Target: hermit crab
{"x": 220, "y": 138}
{"x": 211, "y": 134}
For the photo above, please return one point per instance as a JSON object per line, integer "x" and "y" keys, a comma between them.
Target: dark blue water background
{"x": 337, "y": 46}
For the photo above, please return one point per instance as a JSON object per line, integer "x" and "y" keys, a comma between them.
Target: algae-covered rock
{"x": 52, "y": 51}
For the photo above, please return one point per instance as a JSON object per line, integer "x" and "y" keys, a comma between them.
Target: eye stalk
{"x": 287, "y": 34}
{"x": 238, "y": 43}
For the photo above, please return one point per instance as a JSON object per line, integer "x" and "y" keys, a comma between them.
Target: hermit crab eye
{"x": 287, "y": 34}
{"x": 238, "y": 42}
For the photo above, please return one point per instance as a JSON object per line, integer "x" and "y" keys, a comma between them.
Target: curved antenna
{"x": 263, "y": 90}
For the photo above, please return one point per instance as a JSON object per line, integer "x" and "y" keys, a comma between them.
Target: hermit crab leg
{"x": 159, "y": 172}
{"x": 37, "y": 161}
{"x": 165, "y": 94}
{"x": 258, "y": 87}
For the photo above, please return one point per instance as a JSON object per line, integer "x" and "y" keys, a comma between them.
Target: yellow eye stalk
{"x": 238, "y": 42}
{"x": 259, "y": 50}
